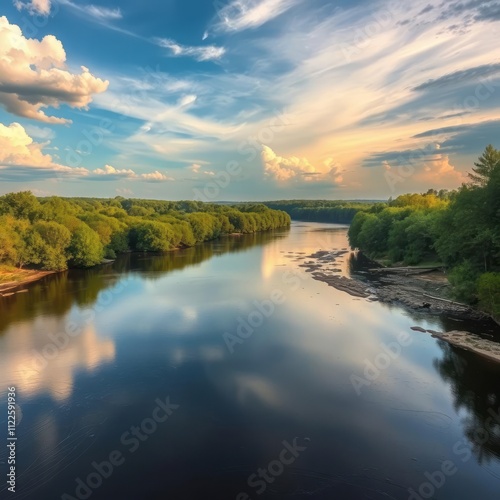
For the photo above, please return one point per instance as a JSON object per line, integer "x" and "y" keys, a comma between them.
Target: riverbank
{"x": 12, "y": 278}
{"x": 467, "y": 341}
{"x": 423, "y": 289}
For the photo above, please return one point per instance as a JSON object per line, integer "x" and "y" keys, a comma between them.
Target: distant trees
{"x": 334, "y": 211}
{"x": 461, "y": 229}
{"x": 52, "y": 233}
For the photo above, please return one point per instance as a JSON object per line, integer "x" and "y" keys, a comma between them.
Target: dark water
{"x": 133, "y": 383}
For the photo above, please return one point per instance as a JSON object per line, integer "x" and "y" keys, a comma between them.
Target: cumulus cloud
{"x": 41, "y": 7}
{"x": 429, "y": 169}
{"x": 202, "y": 53}
{"x": 21, "y": 157}
{"x": 155, "y": 177}
{"x": 299, "y": 169}
{"x": 33, "y": 76}
{"x": 241, "y": 15}
{"x": 111, "y": 173}
{"x": 439, "y": 172}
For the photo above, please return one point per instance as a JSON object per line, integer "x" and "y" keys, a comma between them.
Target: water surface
{"x": 94, "y": 354}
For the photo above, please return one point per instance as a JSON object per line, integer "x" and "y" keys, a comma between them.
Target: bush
{"x": 464, "y": 280}
{"x": 488, "y": 292}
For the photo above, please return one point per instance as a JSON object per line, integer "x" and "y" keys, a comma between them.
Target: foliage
{"x": 461, "y": 229}
{"x": 50, "y": 233}
{"x": 86, "y": 249}
{"x": 488, "y": 291}
{"x": 334, "y": 211}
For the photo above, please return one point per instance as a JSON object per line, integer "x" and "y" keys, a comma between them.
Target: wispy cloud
{"x": 241, "y": 15}
{"x": 95, "y": 11}
{"x": 201, "y": 53}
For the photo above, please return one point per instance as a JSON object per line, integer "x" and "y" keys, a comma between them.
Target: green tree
{"x": 152, "y": 236}
{"x": 22, "y": 205}
{"x": 85, "y": 249}
{"x": 485, "y": 165}
{"x": 488, "y": 291}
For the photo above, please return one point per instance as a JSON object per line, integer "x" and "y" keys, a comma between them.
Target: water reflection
{"x": 43, "y": 358}
{"x": 476, "y": 393}
{"x": 56, "y": 294}
{"x": 161, "y": 335}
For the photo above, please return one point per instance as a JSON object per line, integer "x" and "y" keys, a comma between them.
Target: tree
{"x": 22, "y": 205}
{"x": 485, "y": 166}
{"x": 85, "y": 249}
{"x": 56, "y": 239}
{"x": 152, "y": 236}
{"x": 488, "y": 291}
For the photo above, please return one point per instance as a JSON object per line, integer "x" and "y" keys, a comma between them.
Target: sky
{"x": 245, "y": 99}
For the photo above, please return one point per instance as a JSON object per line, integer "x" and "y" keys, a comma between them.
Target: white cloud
{"x": 41, "y": 7}
{"x": 113, "y": 173}
{"x": 298, "y": 169}
{"x": 22, "y": 158}
{"x": 155, "y": 177}
{"x": 94, "y": 11}
{"x": 240, "y": 15}
{"x": 33, "y": 76}
{"x": 186, "y": 100}
{"x": 201, "y": 53}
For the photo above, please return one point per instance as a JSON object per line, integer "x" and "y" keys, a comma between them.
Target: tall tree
{"x": 484, "y": 166}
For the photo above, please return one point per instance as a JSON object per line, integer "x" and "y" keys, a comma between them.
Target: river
{"x": 225, "y": 371}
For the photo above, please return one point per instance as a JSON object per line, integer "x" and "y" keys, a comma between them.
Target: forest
{"x": 56, "y": 233}
{"x": 459, "y": 230}
{"x": 333, "y": 211}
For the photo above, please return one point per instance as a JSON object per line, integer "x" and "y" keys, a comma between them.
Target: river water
{"x": 225, "y": 371}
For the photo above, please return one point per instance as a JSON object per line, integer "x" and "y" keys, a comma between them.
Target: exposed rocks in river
{"x": 468, "y": 341}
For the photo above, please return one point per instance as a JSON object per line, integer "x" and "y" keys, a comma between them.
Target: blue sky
{"x": 245, "y": 99}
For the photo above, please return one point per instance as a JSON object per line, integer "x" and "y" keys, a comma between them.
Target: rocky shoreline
{"x": 416, "y": 288}
{"x": 419, "y": 289}
{"x": 467, "y": 341}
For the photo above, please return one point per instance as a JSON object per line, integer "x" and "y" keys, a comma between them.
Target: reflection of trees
{"x": 56, "y": 294}
{"x": 476, "y": 390}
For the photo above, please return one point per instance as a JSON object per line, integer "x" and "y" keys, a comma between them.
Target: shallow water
{"x": 226, "y": 372}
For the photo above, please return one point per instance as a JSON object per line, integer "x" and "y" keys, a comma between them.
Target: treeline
{"x": 338, "y": 212}
{"x": 460, "y": 229}
{"x": 56, "y": 233}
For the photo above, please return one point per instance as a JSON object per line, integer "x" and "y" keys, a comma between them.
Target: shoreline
{"x": 408, "y": 289}
{"x": 420, "y": 289}
{"x": 467, "y": 341}
{"x": 9, "y": 288}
